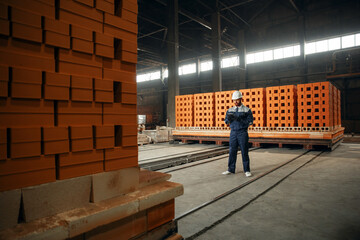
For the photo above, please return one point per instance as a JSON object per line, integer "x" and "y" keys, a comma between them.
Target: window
{"x": 187, "y": 69}
{"x": 148, "y": 76}
{"x": 206, "y": 66}
{"x": 268, "y": 55}
{"x": 250, "y": 58}
{"x": 230, "y": 62}
{"x": 348, "y": 41}
{"x": 357, "y": 39}
{"x": 322, "y": 46}
{"x": 310, "y": 48}
{"x": 334, "y": 44}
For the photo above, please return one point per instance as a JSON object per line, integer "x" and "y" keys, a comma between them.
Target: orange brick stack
{"x": 67, "y": 89}
{"x": 222, "y": 103}
{"x": 281, "y": 106}
{"x": 319, "y": 105}
{"x": 184, "y": 110}
{"x": 246, "y": 99}
{"x": 204, "y": 110}
{"x": 258, "y": 106}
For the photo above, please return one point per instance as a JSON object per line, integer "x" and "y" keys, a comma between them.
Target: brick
{"x": 128, "y": 141}
{"x": 112, "y": 184}
{"x": 80, "y": 21}
{"x": 56, "y": 93}
{"x": 119, "y": 109}
{"x": 129, "y": 57}
{"x": 129, "y": 98}
{"x": 128, "y": 87}
{"x": 28, "y": 48}
{"x": 21, "y": 135}
{"x": 129, "y": 130}
{"x": 121, "y": 152}
{"x": 129, "y": 46}
{"x": 79, "y": 132}
{"x": 104, "y": 39}
{"x": 4, "y": 27}
{"x": 79, "y": 107}
{"x": 85, "y": 95}
{"x": 57, "y": 79}
{"x": 81, "y": 82}
{"x": 55, "y": 133}
{"x": 104, "y": 131}
{"x": 59, "y": 196}
{"x": 105, "y": 6}
{"x": 36, "y": 7}
{"x": 120, "y": 76}
{"x": 119, "y": 33}
{"x": 75, "y": 171}
{"x": 83, "y": 144}
{"x": 15, "y": 59}
{"x": 57, "y": 39}
{"x": 79, "y": 119}
{"x": 3, "y": 12}
{"x": 81, "y": 33}
{"x": 25, "y": 149}
{"x": 160, "y": 214}
{"x": 133, "y": 7}
{"x": 25, "y": 18}
{"x": 81, "y": 10}
{"x": 104, "y": 96}
{"x": 56, "y": 26}
{"x": 56, "y": 147}
{"x": 25, "y": 179}
{"x": 104, "y": 142}
{"x": 9, "y": 208}
{"x": 82, "y": 45}
{"x": 24, "y": 90}
{"x": 80, "y": 58}
{"x": 26, "y": 32}
{"x": 80, "y": 70}
{"x": 21, "y": 75}
{"x": 129, "y": 16}
{"x": 102, "y": 84}
{"x": 120, "y": 163}
{"x": 104, "y": 51}
{"x": 120, "y": 23}
{"x": 75, "y": 158}
{"x": 89, "y": 3}
{"x": 118, "y": 119}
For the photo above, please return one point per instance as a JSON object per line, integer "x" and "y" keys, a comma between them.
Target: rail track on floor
{"x": 241, "y": 186}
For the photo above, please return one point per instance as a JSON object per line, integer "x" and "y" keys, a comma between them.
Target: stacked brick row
{"x": 67, "y": 89}
{"x": 204, "y": 110}
{"x": 319, "y": 105}
{"x": 281, "y": 106}
{"x": 304, "y": 105}
{"x": 184, "y": 110}
{"x": 223, "y": 102}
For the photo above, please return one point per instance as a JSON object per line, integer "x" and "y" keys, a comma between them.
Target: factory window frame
{"x": 187, "y": 69}
{"x": 273, "y": 54}
{"x": 206, "y": 66}
{"x": 232, "y": 61}
{"x": 148, "y": 76}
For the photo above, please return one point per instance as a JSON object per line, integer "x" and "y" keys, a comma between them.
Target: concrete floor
{"x": 319, "y": 201}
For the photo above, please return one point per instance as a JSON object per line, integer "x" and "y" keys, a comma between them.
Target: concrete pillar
{"x": 216, "y": 48}
{"x": 302, "y": 37}
{"x": 173, "y": 59}
{"x": 242, "y": 59}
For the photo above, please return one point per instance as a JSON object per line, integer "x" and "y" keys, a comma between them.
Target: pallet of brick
{"x": 246, "y": 99}
{"x": 281, "y": 106}
{"x": 223, "y": 102}
{"x": 184, "y": 108}
{"x": 316, "y": 104}
{"x": 204, "y": 110}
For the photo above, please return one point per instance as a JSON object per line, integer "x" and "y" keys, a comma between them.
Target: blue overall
{"x": 239, "y": 118}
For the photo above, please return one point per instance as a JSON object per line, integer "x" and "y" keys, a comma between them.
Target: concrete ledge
{"x": 9, "y": 208}
{"x": 147, "y": 177}
{"x": 77, "y": 221}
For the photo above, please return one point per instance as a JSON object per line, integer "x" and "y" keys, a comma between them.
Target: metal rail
{"x": 249, "y": 182}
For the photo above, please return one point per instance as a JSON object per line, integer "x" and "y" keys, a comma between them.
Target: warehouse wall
{"x": 275, "y": 27}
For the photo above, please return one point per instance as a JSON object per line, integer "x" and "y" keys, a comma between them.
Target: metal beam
{"x": 267, "y": 4}
{"x": 235, "y": 5}
{"x": 294, "y": 5}
{"x": 237, "y": 16}
{"x": 149, "y": 34}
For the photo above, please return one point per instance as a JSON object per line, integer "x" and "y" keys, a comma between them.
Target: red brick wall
{"x": 67, "y": 89}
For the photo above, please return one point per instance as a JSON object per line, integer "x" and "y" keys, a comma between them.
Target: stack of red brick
{"x": 319, "y": 105}
{"x": 184, "y": 109}
{"x": 255, "y": 99}
{"x": 67, "y": 89}
{"x": 204, "y": 110}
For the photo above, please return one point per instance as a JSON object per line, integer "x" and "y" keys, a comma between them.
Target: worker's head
{"x": 236, "y": 97}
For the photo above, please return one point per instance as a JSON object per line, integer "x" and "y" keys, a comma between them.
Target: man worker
{"x": 239, "y": 118}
